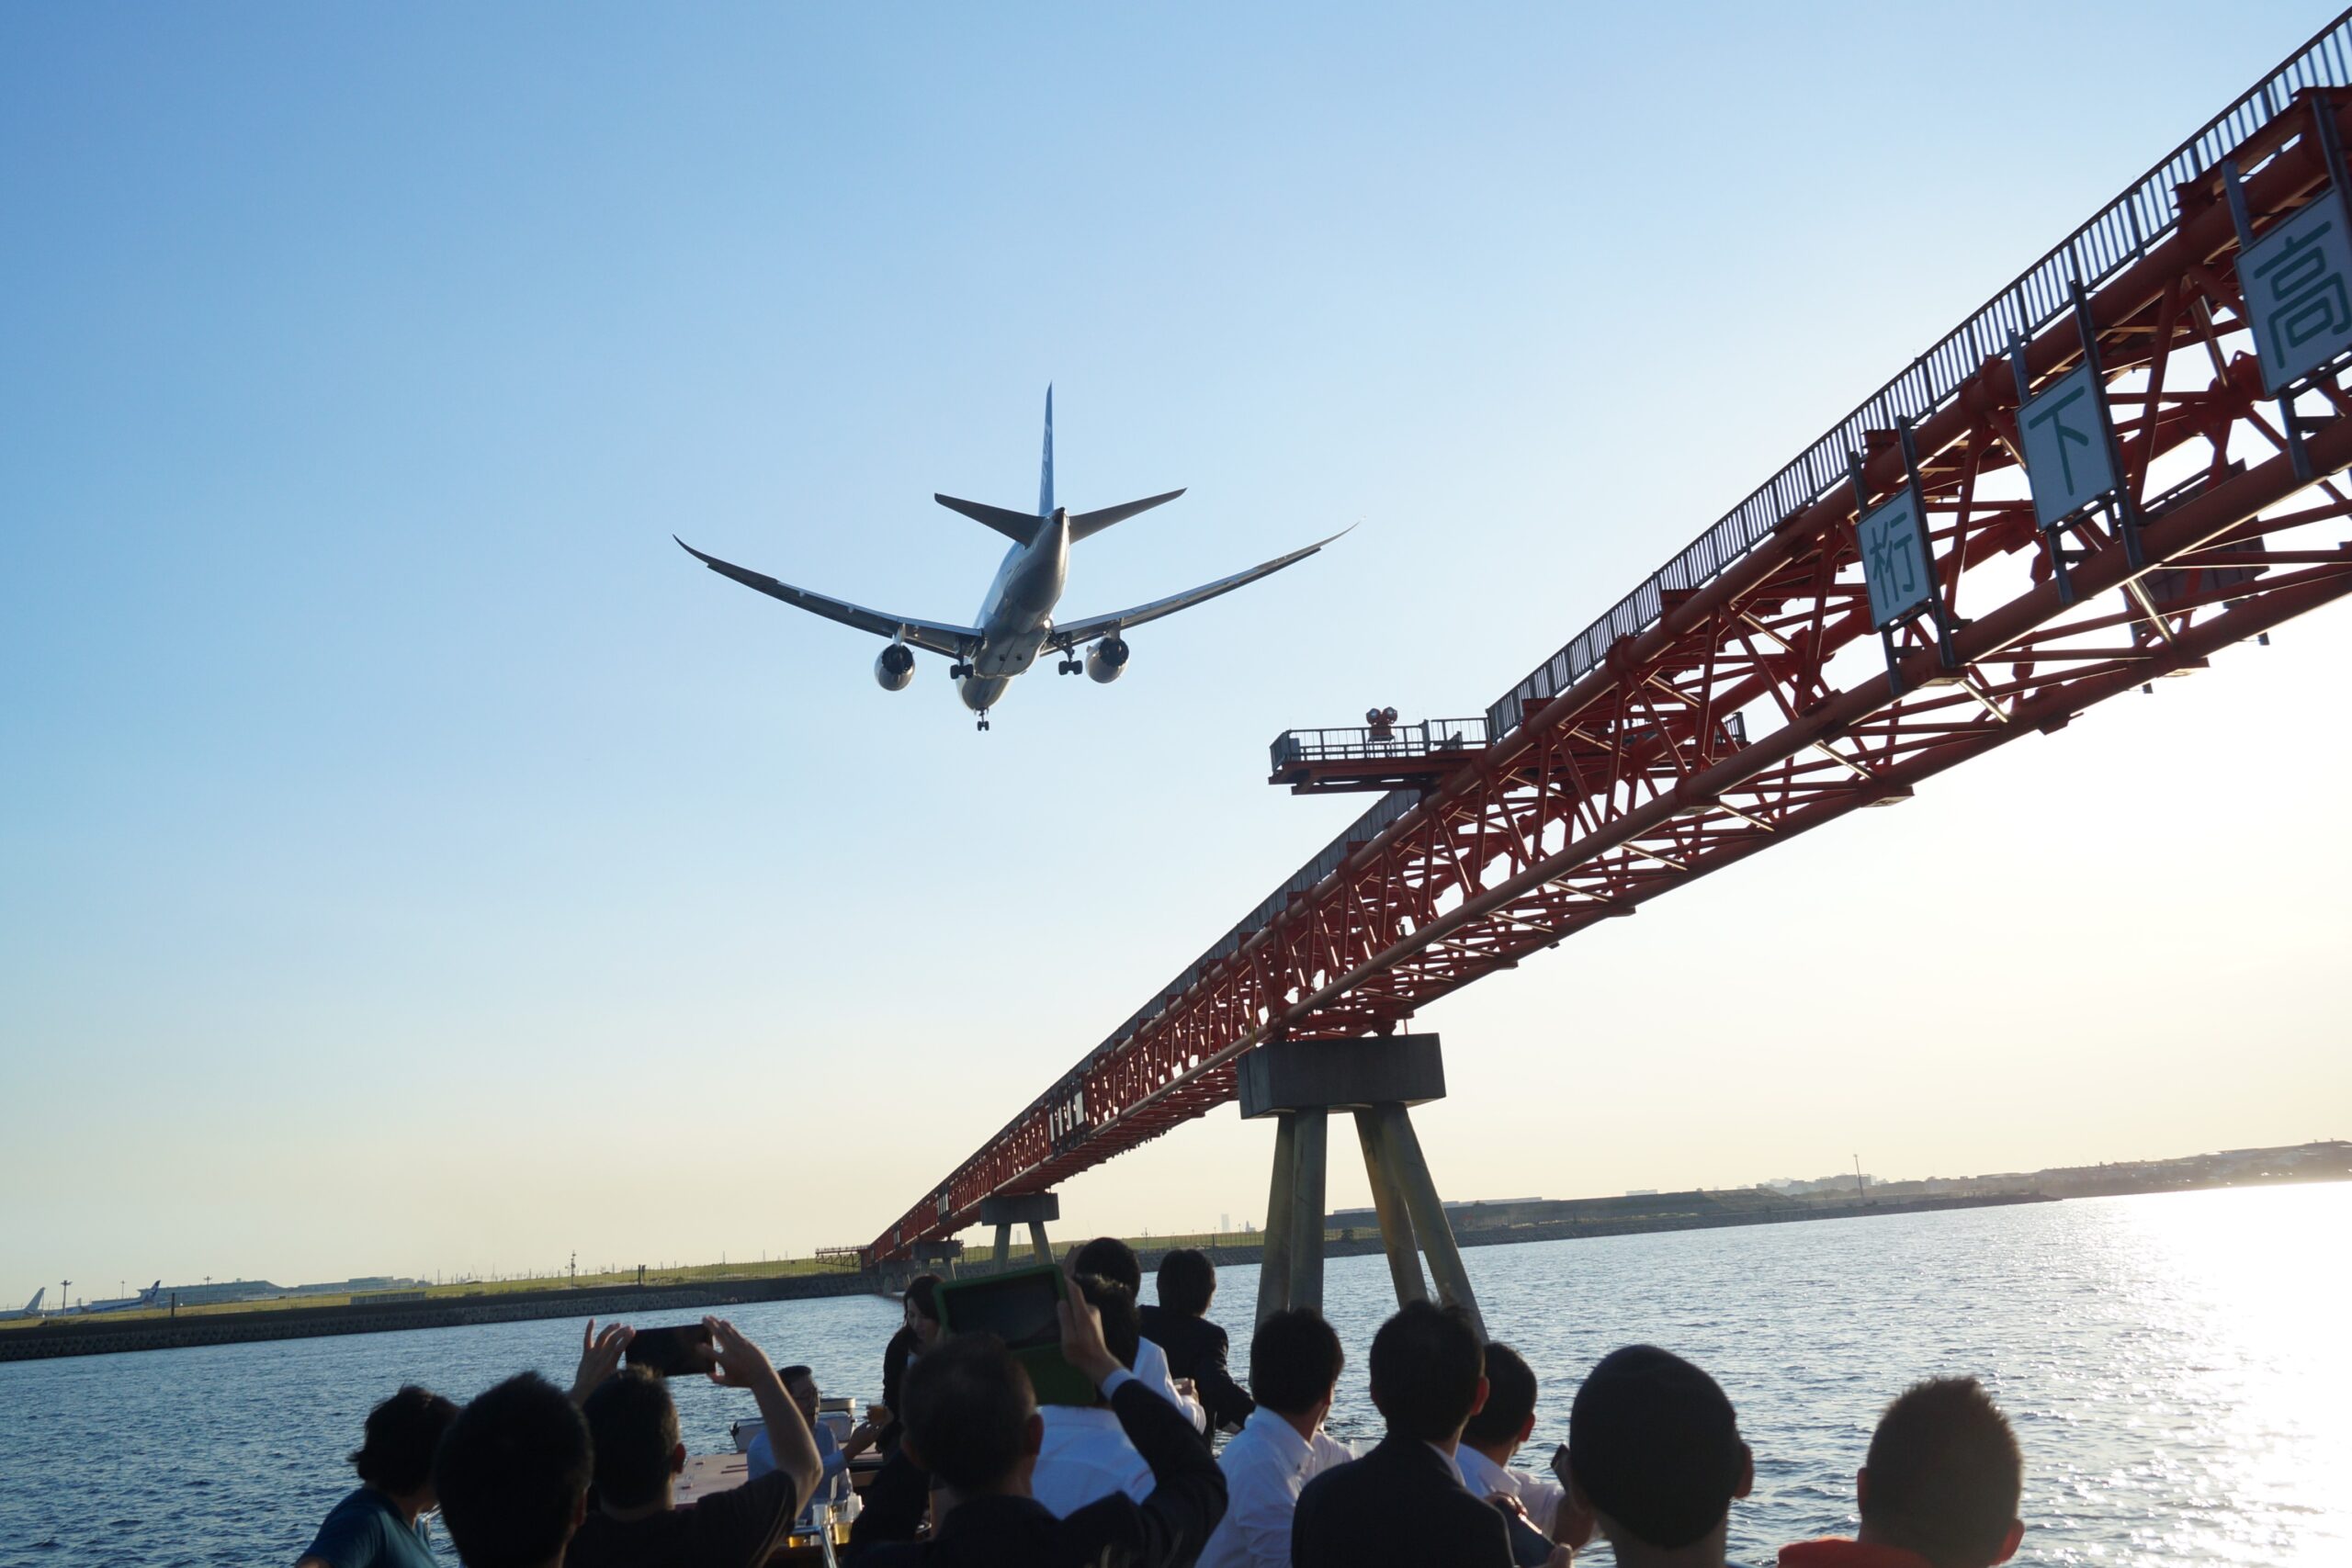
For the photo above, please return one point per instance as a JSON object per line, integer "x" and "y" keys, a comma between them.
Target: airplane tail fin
{"x": 34, "y": 1304}
{"x": 1018, "y": 527}
{"x": 1046, "y": 466}
{"x": 1087, "y": 524}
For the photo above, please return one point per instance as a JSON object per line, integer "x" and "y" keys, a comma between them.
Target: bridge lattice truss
{"x": 1741, "y": 697}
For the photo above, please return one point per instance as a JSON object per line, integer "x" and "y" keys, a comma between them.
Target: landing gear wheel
{"x": 984, "y": 721}
{"x": 959, "y": 671}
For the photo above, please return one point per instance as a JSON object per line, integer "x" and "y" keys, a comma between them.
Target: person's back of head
{"x": 1656, "y": 1449}
{"x": 1503, "y": 1421}
{"x": 635, "y": 1429}
{"x": 970, "y": 1414}
{"x": 1187, "y": 1281}
{"x": 1428, "y": 1372}
{"x": 923, "y": 1294}
{"x": 1944, "y": 1475}
{"x": 1295, "y": 1361}
{"x": 511, "y": 1475}
{"x": 1112, "y": 1260}
{"x": 1122, "y": 1321}
{"x": 395, "y": 1453}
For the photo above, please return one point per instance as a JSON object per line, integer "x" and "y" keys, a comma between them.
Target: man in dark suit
{"x": 1403, "y": 1505}
{"x": 971, "y": 1420}
{"x": 1196, "y": 1347}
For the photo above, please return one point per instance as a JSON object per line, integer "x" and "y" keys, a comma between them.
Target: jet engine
{"x": 1105, "y": 660}
{"x": 894, "y": 666}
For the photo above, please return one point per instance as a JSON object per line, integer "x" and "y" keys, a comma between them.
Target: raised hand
{"x": 735, "y": 1361}
{"x": 1082, "y": 1344}
{"x": 600, "y": 1357}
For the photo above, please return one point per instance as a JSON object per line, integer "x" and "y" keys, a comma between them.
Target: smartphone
{"x": 667, "y": 1352}
{"x": 1019, "y": 1308}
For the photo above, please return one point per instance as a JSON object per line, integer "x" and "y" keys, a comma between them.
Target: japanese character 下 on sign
{"x": 2067, "y": 459}
{"x": 2298, "y": 285}
{"x": 1894, "y": 540}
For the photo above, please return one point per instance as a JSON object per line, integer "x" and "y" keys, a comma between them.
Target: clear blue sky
{"x": 410, "y": 860}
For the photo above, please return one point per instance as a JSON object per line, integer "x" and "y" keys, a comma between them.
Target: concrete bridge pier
{"x": 1031, "y": 1209}
{"x": 1299, "y": 1083}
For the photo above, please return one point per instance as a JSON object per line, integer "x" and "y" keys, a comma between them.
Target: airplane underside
{"x": 981, "y": 693}
{"x": 1016, "y": 623}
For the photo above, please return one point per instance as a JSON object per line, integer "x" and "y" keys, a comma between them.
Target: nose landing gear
{"x": 984, "y": 719}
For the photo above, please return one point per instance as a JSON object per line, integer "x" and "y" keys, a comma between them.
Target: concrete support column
{"x": 1400, "y": 1151}
{"x": 1311, "y": 1140}
{"x": 1273, "y": 1266}
{"x": 1007, "y": 1210}
{"x": 1396, "y": 1222}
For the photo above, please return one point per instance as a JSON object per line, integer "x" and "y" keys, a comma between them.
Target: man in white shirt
{"x": 1108, "y": 1257}
{"x": 1494, "y": 1435}
{"x": 1084, "y": 1453}
{"x": 1295, "y": 1361}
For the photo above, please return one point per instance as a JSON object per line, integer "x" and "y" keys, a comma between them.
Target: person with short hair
{"x": 1655, "y": 1453}
{"x": 636, "y": 1523}
{"x": 833, "y": 1458}
{"x": 380, "y": 1524}
{"x": 1294, "y": 1363}
{"x": 512, "y": 1474}
{"x": 1404, "y": 1505}
{"x": 1196, "y": 1349}
{"x": 1494, "y": 1436}
{"x": 1108, "y": 1257}
{"x": 1940, "y": 1488}
{"x": 1085, "y": 1454}
{"x": 972, "y": 1420}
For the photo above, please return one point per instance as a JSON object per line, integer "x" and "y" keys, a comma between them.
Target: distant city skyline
{"x": 407, "y": 856}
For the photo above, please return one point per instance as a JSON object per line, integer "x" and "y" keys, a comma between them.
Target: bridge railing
{"x": 2121, "y": 234}
{"x": 1369, "y": 742}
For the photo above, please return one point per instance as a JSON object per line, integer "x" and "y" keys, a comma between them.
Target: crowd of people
{"x": 975, "y": 1471}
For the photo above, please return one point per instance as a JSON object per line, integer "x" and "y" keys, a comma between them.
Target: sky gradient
{"x": 411, "y": 861}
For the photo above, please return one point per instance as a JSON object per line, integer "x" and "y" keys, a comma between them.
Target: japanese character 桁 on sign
{"x": 2298, "y": 285}
{"x": 1895, "y": 568}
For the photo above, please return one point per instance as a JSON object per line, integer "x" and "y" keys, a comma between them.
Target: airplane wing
{"x": 1074, "y": 632}
{"x": 955, "y": 642}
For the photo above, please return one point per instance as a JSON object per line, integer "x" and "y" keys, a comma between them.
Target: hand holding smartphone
{"x": 672, "y": 1352}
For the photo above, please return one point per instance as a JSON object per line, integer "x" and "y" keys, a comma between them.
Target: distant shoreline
{"x": 104, "y": 1336}
{"x": 100, "y": 1336}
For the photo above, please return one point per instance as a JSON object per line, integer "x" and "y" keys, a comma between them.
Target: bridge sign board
{"x": 2297, "y": 280}
{"x": 2069, "y": 459}
{"x": 1894, "y": 540}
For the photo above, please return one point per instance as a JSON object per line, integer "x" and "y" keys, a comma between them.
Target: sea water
{"x": 2178, "y": 1368}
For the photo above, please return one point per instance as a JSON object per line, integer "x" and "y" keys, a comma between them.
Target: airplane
{"x": 1016, "y": 620}
{"x": 32, "y": 1307}
{"x": 146, "y": 1298}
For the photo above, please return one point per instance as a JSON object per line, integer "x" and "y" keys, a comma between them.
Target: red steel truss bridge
{"x": 1745, "y": 694}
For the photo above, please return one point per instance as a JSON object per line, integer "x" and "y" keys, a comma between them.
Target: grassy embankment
{"x": 690, "y": 1274}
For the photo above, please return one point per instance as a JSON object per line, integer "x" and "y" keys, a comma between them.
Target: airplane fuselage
{"x": 1017, "y": 615}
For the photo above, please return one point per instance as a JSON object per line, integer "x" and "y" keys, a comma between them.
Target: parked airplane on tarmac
{"x": 153, "y": 1296}
{"x": 1017, "y": 621}
{"x": 32, "y": 1307}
